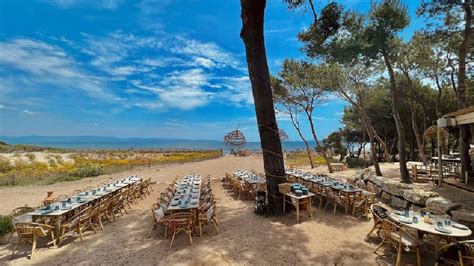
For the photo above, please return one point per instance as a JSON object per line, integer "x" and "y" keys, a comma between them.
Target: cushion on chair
{"x": 407, "y": 240}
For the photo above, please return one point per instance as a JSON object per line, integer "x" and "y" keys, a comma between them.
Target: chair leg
{"x": 200, "y": 229}
{"x": 334, "y": 211}
{"x": 172, "y": 239}
{"x": 15, "y": 248}
{"x": 379, "y": 246}
{"x": 11, "y": 235}
{"x": 190, "y": 237}
{"x": 370, "y": 232}
{"x": 53, "y": 239}
{"x": 216, "y": 225}
{"x": 418, "y": 258}
{"x": 79, "y": 231}
{"x": 33, "y": 248}
{"x": 399, "y": 256}
{"x": 151, "y": 230}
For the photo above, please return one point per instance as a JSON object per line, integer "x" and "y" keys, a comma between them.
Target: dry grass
{"x": 87, "y": 164}
{"x": 301, "y": 160}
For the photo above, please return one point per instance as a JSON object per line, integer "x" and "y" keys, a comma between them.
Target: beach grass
{"x": 90, "y": 164}
{"x": 300, "y": 159}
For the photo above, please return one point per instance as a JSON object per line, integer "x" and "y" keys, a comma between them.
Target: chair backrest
{"x": 62, "y": 197}
{"x": 181, "y": 220}
{"x": 378, "y": 212}
{"x": 21, "y": 210}
{"x": 75, "y": 192}
{"x": 29, "y": 230}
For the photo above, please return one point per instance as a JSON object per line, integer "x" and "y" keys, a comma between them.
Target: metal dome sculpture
{"x": 283, "y": 135}
{"x": 235, "y": 137}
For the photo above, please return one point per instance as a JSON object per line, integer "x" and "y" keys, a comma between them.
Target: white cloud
{"x": 48, "y": 65}
{"x": 96, "y": 124}
{"x": 100, "y": 4}
{"x": 205, "y": 50}
{"x": 28, "y": 112}
{"x": 2, "y": 106}
{"x": 237, "y": 90}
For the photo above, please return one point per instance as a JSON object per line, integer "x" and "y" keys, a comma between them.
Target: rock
{"x": 418, "y": 197}
{"x": 386, "y": 196}
{"x": 397, "y": 202}
{"x": 440, "y": 203}
{"x": 377, "y": 180}
{"x": 466, "y": 216}
{"x": 358, "y": 175}
{"x": 395, "y": 188}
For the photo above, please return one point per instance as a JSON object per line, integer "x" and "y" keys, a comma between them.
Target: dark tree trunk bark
{"x": 414, "y": 124}
{"x": 405, "y": 176}
{"x": 253, "y": 13}
{"x": 464, "y": 130}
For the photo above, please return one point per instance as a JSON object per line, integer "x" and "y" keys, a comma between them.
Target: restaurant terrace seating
{"x": 461, "y": 252}
{"x": 76, "y": 213}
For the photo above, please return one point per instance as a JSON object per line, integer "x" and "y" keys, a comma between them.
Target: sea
{"x": 113, "y": 143}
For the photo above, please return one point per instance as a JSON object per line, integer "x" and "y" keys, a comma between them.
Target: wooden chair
{"x": 17, "y": 212}
{"x": 79, "y": 223}
{"x": 207, "y": 216}
{"x": 400, "y": 239}
{"x": 30, "y": 232}
{"x": 159, "y": 218}
{"x": 75, "y": 192}
{"x": 62, "y": 197}
{"x": 461, "y": 252}
{"x": 181, "y": 222}
{"x": 378, "y": 214}
{"x": 362, "y": 203}
{"x": 103, "y": 213}
{"x": 116, "y": 206}
{"x": 334, "y": 199}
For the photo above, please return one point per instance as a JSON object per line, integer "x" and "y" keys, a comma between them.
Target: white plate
{"x": 459, "y": 226}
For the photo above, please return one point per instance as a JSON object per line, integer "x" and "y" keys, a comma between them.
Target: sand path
{"x": 245, "y": 238}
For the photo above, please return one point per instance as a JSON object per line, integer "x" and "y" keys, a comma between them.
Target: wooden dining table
{"x": 57, "y": 211}
{"x": 303, "y": 199}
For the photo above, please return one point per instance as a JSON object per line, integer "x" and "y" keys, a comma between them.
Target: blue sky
{"x": 145, "y": 68}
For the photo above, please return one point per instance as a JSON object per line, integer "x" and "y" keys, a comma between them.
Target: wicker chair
{"x": 181, "y": 222}
{"x": 103, "y": 213}
{"x": 461, "y": 252}
{"x": 334, "y": 199}
{"x": 17, "y": 212}
{"x": 30, "y": 232}
{"x": 75, "y": 192}
{"x": 207, "y": 216}
{"x": 79, "y": 223}
{"x": 62, "y": 197}
{"x": 400, "y": 239}
{"x": 159, "y": 218}
{"x": 362, "y": 203}
{"x": 378, "y": 213}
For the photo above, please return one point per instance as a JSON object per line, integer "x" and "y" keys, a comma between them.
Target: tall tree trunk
{"x": 414, "y": 125}
{"x": 373, "y": 149}
{"x": 318, "y": 145}
{"x": 368, "y": 123}
{"x": 296, "y": 125}
{"x": 405, "y": 176}
{"x": 253, "y": 14}
{"x": 464, "y": 130}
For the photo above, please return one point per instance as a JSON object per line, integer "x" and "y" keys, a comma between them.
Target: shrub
{"x": 6, "y": 225}
{"x": 5, "y": 165}
{"x": 30, "y": 156}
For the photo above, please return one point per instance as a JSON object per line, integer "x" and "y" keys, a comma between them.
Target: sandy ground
{"x": 245, "y": 238}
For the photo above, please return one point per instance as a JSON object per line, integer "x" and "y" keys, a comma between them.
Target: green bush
{"x": 6, "y": 225}
{"x": 357, "y": 162}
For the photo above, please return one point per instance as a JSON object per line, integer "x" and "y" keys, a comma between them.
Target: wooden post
{"x": 440, "y": 154}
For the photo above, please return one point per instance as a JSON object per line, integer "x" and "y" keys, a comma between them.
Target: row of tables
{"x": 249, "y": 177}
{"x": 345, "y": 188}
{"x": 187, "y": 194}
{"x": 57, "y": 210}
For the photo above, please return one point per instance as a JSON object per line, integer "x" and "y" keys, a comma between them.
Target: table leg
{"x": 57, "y": 228}
{"x": 297, "y": 210}
{"x": 347, "y": 201}
{"x": 309, "y": 207}
{"x": 284, "y": 203}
